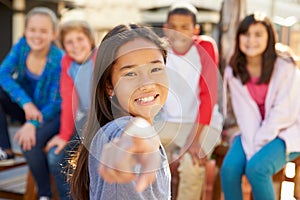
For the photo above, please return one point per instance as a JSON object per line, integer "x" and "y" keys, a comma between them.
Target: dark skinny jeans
{"x": 40, "y": 163}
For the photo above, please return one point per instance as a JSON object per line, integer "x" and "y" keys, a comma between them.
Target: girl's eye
{"x": 185, "y": 28}
{"x": 130, "y": 74}
{"x": 80, "y": 39}
{"x": 44, "y": 31}
{"x": 156, "y": 69}
{"x": 258, "y": 34}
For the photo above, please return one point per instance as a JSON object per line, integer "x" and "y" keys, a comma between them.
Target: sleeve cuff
{"x": 36, "y": 123}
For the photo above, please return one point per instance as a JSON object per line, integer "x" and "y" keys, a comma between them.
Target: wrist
{"x": 35, "y": 123}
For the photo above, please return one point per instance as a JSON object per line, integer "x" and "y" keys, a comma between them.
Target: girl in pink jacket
{"x": 265, "y": 100}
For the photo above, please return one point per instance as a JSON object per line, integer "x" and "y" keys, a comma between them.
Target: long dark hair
{"x": 103, "y": 108}
{"x": 238, "y": 60}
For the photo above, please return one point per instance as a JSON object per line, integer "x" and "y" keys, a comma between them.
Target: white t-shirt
{"x": 184, "y": 74}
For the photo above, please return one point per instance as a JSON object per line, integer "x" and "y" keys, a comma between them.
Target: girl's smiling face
{"x": 77, "y": 45}
{"x": 254, "y": 42}
{"x": 139, "y": 79}
{"x": 39, "y": 32}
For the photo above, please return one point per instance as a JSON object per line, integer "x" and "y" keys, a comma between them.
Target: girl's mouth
{"x": 147, "y": 99}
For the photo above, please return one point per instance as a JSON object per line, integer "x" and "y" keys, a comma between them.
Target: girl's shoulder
{"x": 114, "y": 128}
{"x": 285, "y": 64}
{"x": 21, "y": 45}
{"x": 107, "y": 133}
{"x": 286, "y": 53}
{"x": 285, "y": 68}
{"x": 22, "y": 41}
{"x": 55, "y": 56}
{"x": 56, "y": 51}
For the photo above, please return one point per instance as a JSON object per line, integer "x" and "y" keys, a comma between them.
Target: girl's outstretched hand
{"x": 133, "y": 156}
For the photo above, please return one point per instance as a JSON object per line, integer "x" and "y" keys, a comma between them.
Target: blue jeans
{"x": 40, "y": 163}
{"x": 258, "y": 170}
{"x": 37, "y": 158}
{"x": 58, "y": 164}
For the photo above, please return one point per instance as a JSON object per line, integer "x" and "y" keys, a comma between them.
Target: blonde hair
{"x": 43, "y": 11}
{"x": 76, "y": 25}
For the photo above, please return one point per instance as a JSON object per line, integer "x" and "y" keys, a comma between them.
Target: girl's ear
{"x": 109, "y": 89}
{"x": 197, "y": 29}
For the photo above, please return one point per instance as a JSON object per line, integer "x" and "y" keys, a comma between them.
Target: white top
{"x": 184, "y": 75}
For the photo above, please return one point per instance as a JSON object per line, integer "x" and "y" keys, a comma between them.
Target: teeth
{"x": 146, "y": 99}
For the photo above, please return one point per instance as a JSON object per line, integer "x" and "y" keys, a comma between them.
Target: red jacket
{"x": 69, "y": 99}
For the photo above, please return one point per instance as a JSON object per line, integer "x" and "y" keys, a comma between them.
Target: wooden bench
{"x": 12, "y": 188}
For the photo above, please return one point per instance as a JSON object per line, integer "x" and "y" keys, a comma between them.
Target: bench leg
{"x": 297, "y": 183}
{"x": 31, "y": 189}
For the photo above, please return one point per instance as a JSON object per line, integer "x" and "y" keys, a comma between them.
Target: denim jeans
{"x": 58, "y": 164}
{"x": 8, "y": 108}
{"x": 37, "y": 158}
{"x": 40, "y": 163}
{"x": 258, "y": 170}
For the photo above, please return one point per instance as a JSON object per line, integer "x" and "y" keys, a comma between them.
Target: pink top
{"x": 258, "y": 92}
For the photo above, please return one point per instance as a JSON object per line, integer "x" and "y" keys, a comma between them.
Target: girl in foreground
{"x": 118, "y": 159}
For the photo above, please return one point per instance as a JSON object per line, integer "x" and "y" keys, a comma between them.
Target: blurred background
{"x": 216, "y": 17}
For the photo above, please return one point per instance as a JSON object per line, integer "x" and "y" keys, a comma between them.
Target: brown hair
{"x": 76, "y": 25}
{"x": 103, "y": 109}
{"x": 238, "y": 60}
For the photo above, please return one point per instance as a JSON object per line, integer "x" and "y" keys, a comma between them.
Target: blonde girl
{"x": 29, "y": 80}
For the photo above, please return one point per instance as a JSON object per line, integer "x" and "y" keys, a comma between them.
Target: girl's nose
{"x": 147, "y": 87}
{"x": 37, "y": 34}
{"x": 250, "y": 38}
{"x": 75, "y": 44}
{"x": 146, "y": 82}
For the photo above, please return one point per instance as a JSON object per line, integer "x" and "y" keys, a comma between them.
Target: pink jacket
{"x": 282, "y": 109}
